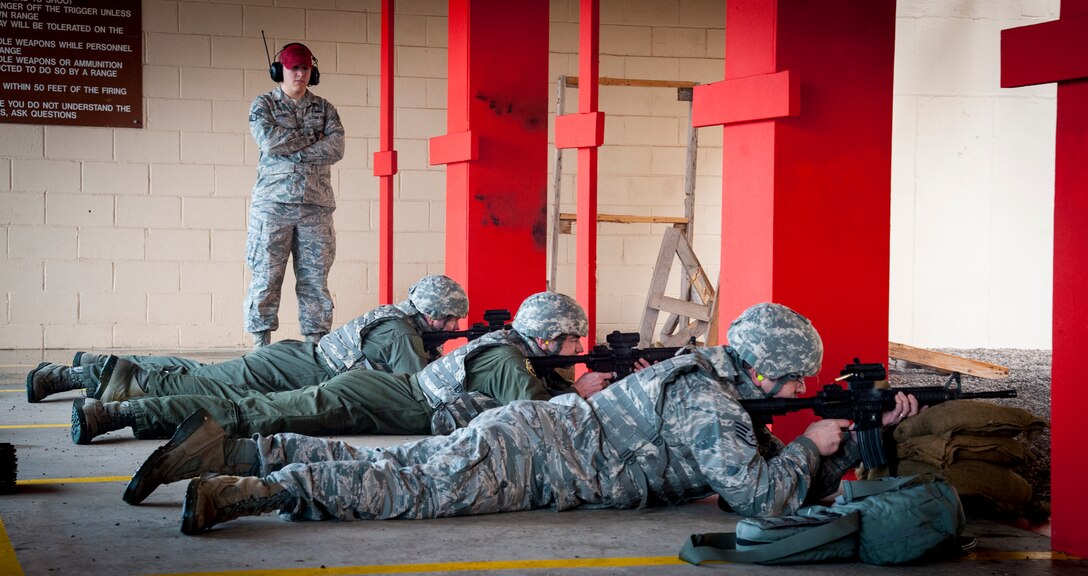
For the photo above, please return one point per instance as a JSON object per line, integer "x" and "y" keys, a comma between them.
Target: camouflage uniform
{"x": 291, "y": 211}
{"x": 672, "y": 433}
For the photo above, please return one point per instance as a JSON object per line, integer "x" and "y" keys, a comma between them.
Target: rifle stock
{"x": 618, "y": 356}
{"x": 861, "y": 403}
{"x": 493, "y": 320}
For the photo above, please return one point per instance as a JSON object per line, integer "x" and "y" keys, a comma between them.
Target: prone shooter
{"x": 493, "y": 320}
{"x": 862, "y": 403}
{"x": 618, "y": 356}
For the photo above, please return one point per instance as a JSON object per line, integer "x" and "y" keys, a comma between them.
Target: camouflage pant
{"x": 355, "y": 402}
{"x": 502, "y": 462}
{"x": 305, "y": 233}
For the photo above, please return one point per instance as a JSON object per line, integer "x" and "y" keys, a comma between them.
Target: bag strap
{"x": 856, "y": 489}
{"x": 722, "y": 546}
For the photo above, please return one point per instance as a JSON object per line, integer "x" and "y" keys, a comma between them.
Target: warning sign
{"x": 72, "y": 62}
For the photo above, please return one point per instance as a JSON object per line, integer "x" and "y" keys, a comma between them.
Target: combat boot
{"x": 48, "y": 379}
{"x": 198, "y": 446}
{"x": 261, "y": 339}
{"x": 92, "y": 418}
{"x": 121, "y": 380}
{"x": 214, "y": 499}
{"x": 88, "y": 359}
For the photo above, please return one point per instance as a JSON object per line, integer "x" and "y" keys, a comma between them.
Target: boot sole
{"x": 137, "y": 489}
{"x": 30, "y": 384}
{"x": 79, "y": 423}
{"x": 188, "y": 508}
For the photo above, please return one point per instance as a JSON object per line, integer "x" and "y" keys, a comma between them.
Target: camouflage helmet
{"x": 549, "y": 314}
{"x": 439, "y": 296}
{"x": 776, "y": 341}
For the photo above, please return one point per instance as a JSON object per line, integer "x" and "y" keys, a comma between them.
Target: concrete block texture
{"x": 135, "y": 218}
{"x": 45, "y": 175}
{"x": 115, "y": 178}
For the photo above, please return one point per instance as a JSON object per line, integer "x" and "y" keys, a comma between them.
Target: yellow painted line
{"x": 28, "y": 426}
{"x": 84, "y": 480}
{"x": 1027, "y": 555}
{"x": 8, "y": 563}
{"x": 557, "y": 564}
{"x": 454, "y": 567}
{"x": 13, "y": 390}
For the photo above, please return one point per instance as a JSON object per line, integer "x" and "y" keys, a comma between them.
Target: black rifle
{"x": 618, "y": 356}
{"x": 493, "y": 320}
{"x": 862, "y": 403}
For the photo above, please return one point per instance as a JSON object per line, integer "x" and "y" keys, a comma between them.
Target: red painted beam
{"x": 589, "y": 32}
{"x": 1042, "y": 53}
{"x": 1069, "y": 395}
{"x": 385, "y": 163}
{"x": 451, "y": 148}
{"x": 1038, "y": 54}
{"x": 806, "y": 195}
{"x": 579, "y": 130}
{"x": 759, "y": 97}
{"x": 496, "y": 150}
{"x": 385, "y": 160}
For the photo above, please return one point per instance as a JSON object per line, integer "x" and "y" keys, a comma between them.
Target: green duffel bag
{"x": 886, "y": 521}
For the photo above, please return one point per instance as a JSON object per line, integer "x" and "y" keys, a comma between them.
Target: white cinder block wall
{"x": 134, "y": 238}
{"x": 972, "y": 181}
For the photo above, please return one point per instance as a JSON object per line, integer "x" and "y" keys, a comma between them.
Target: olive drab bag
{"x": 884, "y": 521}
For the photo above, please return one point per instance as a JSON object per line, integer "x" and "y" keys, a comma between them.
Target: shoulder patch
{"x": 529, "y": 367}
{"x": 744, "y": 433}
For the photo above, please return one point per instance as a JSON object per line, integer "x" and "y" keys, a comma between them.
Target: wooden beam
{"x": 946, "y": 362}
{"x": 631, "y": 219}
{"x": 572, "y": 81}
{"x": 566, "y": 220}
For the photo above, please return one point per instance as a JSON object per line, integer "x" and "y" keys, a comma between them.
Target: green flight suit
{"x": 281, "y": 366}
{"x": 355, "y": 402}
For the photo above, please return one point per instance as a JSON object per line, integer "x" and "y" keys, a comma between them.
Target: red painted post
{"x": 496, "y": 150}
{"x": 806, "y": 105}
{"x": 585, "y": 131}
{"x": 385, "y": 160}
{"x": 1043, "y": 53}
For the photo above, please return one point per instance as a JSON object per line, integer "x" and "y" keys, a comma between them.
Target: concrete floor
{"x": 67, "y": 517}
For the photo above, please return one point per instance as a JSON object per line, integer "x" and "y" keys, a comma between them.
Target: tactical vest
{"x": 443, "y": 382}
{"x": 630, "y": 417}
{"x": 342, "y": 348}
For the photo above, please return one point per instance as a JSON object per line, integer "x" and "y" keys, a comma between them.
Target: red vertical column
{"x": 806, "y": 194}
{"x": 496, "y": 150}
{"x": 1039, "y": 54}
{"x": 585, "y": 131}
{"x": 385, "y": 159}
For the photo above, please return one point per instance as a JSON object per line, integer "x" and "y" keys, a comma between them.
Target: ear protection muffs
{"x": 275, "y": 69}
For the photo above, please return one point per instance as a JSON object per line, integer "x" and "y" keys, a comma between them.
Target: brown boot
{"x": 214, "y": 499}
{"x": 48, "y": 379}
{"x": 198, "y": 446}
{"x": 92, "y": 418}
{"x": 121, "y": 380}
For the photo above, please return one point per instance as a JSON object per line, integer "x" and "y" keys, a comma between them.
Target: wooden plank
{"x": 572, "y": 81}
{"x": 630, "y": 219}
{"x": 680, "y": 307}
{"x": 946, "y": 362}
